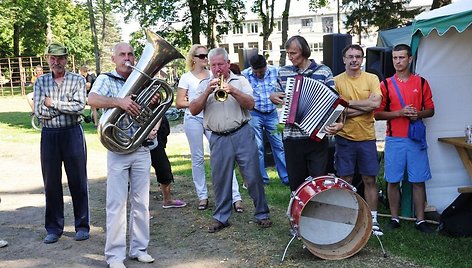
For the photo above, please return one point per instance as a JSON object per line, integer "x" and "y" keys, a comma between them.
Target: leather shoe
{"x": 82, "y": 235}
{"x": 51, "y": 238}
{"x": 145, "y": 258}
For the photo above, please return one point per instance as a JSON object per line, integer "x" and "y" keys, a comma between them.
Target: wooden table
{"x": 463, "y": 149}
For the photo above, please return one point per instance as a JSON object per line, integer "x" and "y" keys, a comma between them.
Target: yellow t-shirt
{"x": 359, "y": 128}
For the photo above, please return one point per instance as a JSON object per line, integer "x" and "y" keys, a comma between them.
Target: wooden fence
{"x": 16, "y": 73}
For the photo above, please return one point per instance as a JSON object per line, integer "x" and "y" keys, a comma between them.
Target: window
{"x": 252, "y": 27}
{"x": 269, "y": 45}
{"x": 238, "y": 29}
{"x": 253, "y": 45}
{"x": 225, "y": 46}
{"x": 327, "y": 24}
{"x": 307, "y": 23}
{"x": 316, "y": 47}
{"x": 237, "y": 46}
{"x": 278, "y": 26}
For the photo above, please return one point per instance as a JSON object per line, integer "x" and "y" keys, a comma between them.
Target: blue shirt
{"x": 69, "y": 100}
{"x": 262, "y": 88}
{"x": 316, "y": 71}
{"x": 111, "y": 87}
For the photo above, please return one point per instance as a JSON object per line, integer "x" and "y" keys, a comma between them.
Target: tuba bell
{"x": 115, "y": 125}
{"x": 220, "y": 93}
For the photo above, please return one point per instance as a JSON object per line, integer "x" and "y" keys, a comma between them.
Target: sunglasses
{"x": 202, "y": 56}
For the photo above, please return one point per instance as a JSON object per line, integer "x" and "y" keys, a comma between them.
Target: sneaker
{"x": 116, "y": 265}
{"x": 423, "y": 227}
{"x": 145, "y": 258}
{"x": 393, "y": 224}
{"x": 176, "y": 204}
{"x": 3, "y": 243}
{"x": 376, "y": 229}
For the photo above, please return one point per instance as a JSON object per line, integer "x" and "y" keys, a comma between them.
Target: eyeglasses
{"x": 351, "y": 57}
{"x": 202, "y": 56}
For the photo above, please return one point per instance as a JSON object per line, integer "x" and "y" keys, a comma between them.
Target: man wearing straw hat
{"x": 59, "y": 100}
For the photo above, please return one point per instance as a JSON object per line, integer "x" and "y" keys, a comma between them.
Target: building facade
{"x": 309, "y": 24}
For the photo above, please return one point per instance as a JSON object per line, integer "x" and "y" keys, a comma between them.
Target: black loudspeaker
{"x": 245, "y": 54}
{"x": 379, "y": 62}
{"x": 333, "y": 45}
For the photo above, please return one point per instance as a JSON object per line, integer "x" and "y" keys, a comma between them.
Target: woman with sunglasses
{"x": 197, "y": 62}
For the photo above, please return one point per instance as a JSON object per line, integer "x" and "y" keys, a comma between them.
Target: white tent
{"x": 442, "y": 41}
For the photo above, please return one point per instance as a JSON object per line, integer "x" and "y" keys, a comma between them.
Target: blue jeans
{"x": 268, "y": 122}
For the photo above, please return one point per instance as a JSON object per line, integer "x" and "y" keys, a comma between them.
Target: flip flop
{"x": 237, "y": 207}
{"x": 265, "y": 223}
{"x": 217, "y": 226}
{"x": 177, "y": 204}
{"x": 203, "y": 206}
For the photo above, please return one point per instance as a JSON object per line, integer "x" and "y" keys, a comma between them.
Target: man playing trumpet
{"x": 232, "y": 139}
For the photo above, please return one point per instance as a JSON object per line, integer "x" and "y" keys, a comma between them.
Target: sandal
{"x": 217, "y": 226}
{"x": 203, "y": 204}
{"x": 265, "y": 223}
{"x": 238, "y": 206}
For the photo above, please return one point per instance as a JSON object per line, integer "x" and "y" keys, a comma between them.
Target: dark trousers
{"x": 64, "y": 145}
{"x": 160, "y": 163}
{"x": 305, "y": 157}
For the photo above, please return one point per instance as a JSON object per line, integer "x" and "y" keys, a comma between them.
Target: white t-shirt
{"x": 190, "y": 82}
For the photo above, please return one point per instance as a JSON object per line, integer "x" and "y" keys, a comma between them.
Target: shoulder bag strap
{"x": 398, "y": 91}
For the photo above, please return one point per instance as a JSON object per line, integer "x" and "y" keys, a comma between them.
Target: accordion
{"x": 310, "y": 105}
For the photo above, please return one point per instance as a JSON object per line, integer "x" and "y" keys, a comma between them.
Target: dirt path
{"x": 178, "y": 238}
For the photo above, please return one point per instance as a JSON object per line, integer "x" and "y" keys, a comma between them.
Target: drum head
{"x": 335, "y": 224}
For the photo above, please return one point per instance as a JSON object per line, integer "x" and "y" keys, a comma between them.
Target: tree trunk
{"x": 283, "y": 53}
{"x": 16, "y": 39}
{"x": 195, "y": 14}
{"x": 93, "y": 28}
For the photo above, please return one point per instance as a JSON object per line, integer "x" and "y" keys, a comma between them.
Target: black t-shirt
{"x": 90, "y": 78}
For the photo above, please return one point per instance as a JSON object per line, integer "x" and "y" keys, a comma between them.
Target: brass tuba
{"x": 115, "y": 124}
{"x": 220, "y": 93}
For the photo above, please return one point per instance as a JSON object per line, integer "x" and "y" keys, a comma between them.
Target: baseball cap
{"x": 56, "y": 49}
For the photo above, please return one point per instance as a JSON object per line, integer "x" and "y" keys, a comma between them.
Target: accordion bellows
{"x": 310, "y": 105}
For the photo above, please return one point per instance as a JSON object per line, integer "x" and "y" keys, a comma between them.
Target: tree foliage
{"x": 265, "y": 11}
{"x": 439, "y": 3}
{"x": 383, "y": 14}
{"x": 193, "y": 17}
{"x": 27, "y": 26}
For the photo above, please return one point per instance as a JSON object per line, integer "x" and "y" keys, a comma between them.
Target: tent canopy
{"x": 393, "y": 37}
{"x": 457, "y": 15}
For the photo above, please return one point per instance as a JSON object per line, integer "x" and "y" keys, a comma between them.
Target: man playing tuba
{"x": 124, "y": 169}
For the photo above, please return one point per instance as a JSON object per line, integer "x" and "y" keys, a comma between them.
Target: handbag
{"x": 416, "y": 129}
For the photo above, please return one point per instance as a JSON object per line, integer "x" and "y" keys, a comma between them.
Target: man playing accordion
{"x": 304, "y": 156}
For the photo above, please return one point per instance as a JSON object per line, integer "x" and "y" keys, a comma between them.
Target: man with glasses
{"x": 356, "y": 148}
{"x": 59, "y": 100}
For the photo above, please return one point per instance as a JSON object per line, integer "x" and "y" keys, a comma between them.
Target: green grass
{"x": 432, "y": 250}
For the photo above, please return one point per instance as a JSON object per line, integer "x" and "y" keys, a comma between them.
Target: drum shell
{"x": 330, "y": 218}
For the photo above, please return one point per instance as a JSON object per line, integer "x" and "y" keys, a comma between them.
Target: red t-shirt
{"x": 412, "y": 93}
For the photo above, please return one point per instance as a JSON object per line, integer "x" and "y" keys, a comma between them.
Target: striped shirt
{"x": 316, "y": 71}
{"x": 262, "y": 88}
{"x": 69, "y": 100}
{"x": 110, "y": 87}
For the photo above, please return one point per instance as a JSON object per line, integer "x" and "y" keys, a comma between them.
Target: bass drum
{"x": 332, "y": 221}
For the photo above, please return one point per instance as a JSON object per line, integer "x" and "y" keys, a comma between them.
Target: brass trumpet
{"x": 220, "y": 93}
